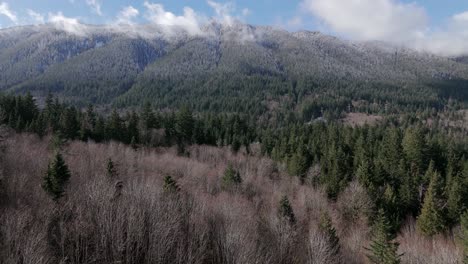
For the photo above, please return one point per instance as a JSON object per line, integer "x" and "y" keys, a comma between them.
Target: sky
{"x": 431, "y": 25}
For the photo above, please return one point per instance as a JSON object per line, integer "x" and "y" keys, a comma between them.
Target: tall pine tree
{"x": 56, "y": 177}
{"x": 431, "y": 221}
{"x": 383, "y": 249}
{"x": 285, "y": 210}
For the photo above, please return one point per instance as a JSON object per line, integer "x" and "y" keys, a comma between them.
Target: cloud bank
{"x": 67, "y": 24}
{"x": 127, "y": 15}
{"x": 95, "y": 6}
{"x": 189, "y": 21}
{"x": 391, "y": 21}
{"x": 6, "y": 11}
{"x": 370, "y": 19}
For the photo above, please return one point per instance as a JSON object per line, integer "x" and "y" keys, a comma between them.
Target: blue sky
{"x": 263, "y": 12}
{"x": 434, "y": 25}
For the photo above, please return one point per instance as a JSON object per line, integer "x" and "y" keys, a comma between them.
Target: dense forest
{"x": 385, "y": 185}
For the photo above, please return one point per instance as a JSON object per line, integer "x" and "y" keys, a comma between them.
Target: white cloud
{"x": 389, "y": 20}
{"x": 370, "y": 19}
{"x": 70, "y": 25}
{"x": 127, "y": 14}
{"x": 449, "y": 40}
{"x": 95, "y": 6}
{"x": 36, "y": 17}
{"x": 462, "y": 17}
{"x": 246, "y": 12}
{"x": 189, "y": 21}
{"x": 223, "y": 11}
{"x": 295, "y": 22}
{"x": 6, "y": 11}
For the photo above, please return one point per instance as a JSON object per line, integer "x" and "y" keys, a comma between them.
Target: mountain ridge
{"x": 123, "y": 65}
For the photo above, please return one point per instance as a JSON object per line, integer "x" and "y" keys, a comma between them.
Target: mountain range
{"x": 126, "y": 65}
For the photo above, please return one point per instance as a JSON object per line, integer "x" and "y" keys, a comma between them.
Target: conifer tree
{"x": 455, "y": 205}
{"x": 431, "y": 220}
{"x": 326, "y": 226}
{"x": 184, "y": 124}
{"x": 133, "y": 133}
{"x": 58, "y": 141}
{"x": 56, "y": 177}
{"x": 364, "y": 175}
{"x": 408, "y": 190}
{"x": 69, "y": 125}
{"x": 415, "y": 148}
{"x": 298, "y": 164}
{"x": 114, "y": 128}
{"x": 391, "y": 208}
{"x": 170, "y": 185}
{"x": 111, "y": 169}
{"x": 285, "y": 210}
{"x": 231, "y": 177}
{"x": 390, "y": 152}
{"x": 383, "y": 249}
{"x": 148, "y": 118}
{"x": 236, "y": 144}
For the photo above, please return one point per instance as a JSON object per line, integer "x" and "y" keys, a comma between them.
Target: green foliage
{"x": 336, "y": 172}
{"x": 414, "y": 149}
{"x": 56, "y": 177}
{"x": 455, "y": 200}
{"x": 285, "y": 210}
{"x": 364, "y": 174}
{"x": 58, "y": 141}
{"x": 231, "y": 177}
{"x": 184, "y": 124}
{"x": 383, "y": 249}
{"x": 391, "y": 208}
{"x": 170, "y": 185}
{"x": 326, "y": 226}
{"x": 111, "y": 169}
{"x": 432, "y": 219}
{"x": 388, "y": 159}
{"x": 298, "y": 164}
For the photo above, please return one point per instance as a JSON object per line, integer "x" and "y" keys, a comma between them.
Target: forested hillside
{"x": 338, "y": 194}
{"x": 237, "y": 68}
{"x": 240, "y": 144}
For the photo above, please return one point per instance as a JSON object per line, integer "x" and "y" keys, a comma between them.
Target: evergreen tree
{"x": 184, "y": 124}
{"x": 231, "y": 177}
{"x": 391, "y": 208}
{"x": 408, "y": 190}
{"x": 114, "y": 128}
{"x": 414, "y": 149}
{"x": 327, "y": 228}
{"x": 297, "y": 164}
{"x": 364, "y": 175}
{"x": 455, "y": 204}
{"x": 285, "y": 210}
{"x": 57, "y": 141}
{"x": 148, "y": 118}
{"x": 111, "y": 169}
{"x": 383, "y": 249}
{"x": 133, "y": 133}
{"x": 390, "y": 154}
{"x": 170, "y": 185}
{"x": 88, "y": 124}
{"x": 56, "y": 177}
{"x": 236, "y": 144}
{"x": 431, "y": 220}
{"x": 69, "y": 125}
